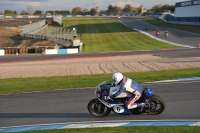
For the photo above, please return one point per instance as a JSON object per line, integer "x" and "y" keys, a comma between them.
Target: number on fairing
{"x": 118, "y": 109}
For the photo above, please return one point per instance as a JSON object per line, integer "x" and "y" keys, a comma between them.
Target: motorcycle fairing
{"x": 121, "y": 109}
{"x": 109, "y": 104}
{"x": 118, "y": 108}
{"x": 122, "y": 95}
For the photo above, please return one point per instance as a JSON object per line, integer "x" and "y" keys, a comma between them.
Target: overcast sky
{"x": 44, "y": 5}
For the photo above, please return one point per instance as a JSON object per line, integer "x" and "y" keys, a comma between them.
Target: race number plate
{"x": 118, "y": 109}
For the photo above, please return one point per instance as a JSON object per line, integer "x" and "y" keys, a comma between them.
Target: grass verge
{"x": 19, "y": 85}
{"x": 138, "y": 129}
{"x": 158, "y": 22}
{"x": 103, "y": 35}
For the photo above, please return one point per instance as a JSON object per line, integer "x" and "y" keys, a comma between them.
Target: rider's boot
{"x": 136, "y": 105}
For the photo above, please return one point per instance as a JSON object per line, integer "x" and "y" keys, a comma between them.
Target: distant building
{"x": 48, "y": 15}
{"x": 188, "y": 11}
{"x": 143, "y": 10}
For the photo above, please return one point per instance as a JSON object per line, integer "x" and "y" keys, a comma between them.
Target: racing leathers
{"x": 132, "y": 87}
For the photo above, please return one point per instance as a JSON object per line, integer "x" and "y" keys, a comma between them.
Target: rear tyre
{"x": 96, "y": 108}
{"x": 156, "y": 105}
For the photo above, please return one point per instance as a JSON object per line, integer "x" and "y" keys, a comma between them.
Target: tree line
{"x": 93, "y": 11}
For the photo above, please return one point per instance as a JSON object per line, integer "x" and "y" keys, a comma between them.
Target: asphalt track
{"x": 61, "y": 106}
{"x": 173, "y": 53}
{"x": 175, "y": 35}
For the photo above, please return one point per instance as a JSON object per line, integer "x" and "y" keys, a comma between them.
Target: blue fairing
{"x": 149, "y": 92}
{"x": 123, "y": 110}
{"x": 110, "y": 102}
{"x": 119, "y": 108}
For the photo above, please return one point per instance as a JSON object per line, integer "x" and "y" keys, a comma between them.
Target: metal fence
{"x": 40, "y": 30}
{"x": 29, "y": 28}
{"x": 58, "y": 19}
{"x": 180, "y": 22}
{"x": 61, "y": 36}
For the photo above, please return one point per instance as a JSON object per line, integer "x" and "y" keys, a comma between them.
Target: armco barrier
{"x": 2, "y": 16}
{"x": 62, "y": 51}
{"x": 2, "y": 52}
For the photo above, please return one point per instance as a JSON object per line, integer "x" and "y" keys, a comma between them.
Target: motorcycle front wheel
{"x": 156, "y": 105}
{"x": 98, "y": 109}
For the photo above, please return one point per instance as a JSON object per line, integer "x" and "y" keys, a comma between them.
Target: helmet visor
{"x": 114, "y": 81}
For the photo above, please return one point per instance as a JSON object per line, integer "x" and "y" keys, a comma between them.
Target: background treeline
{"x": 93, "y": 11}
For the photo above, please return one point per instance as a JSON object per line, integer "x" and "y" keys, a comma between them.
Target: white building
{"x": 188, "y": 10}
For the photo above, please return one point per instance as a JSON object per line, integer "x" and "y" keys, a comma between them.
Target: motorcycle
{"x": 100, "y": 107}
{"x": 157, "y": 33}
{"x": 166, "y": 34}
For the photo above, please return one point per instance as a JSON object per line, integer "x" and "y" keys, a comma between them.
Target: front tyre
{"x": 96, "y": 108}
{"x": 155, "y": 105}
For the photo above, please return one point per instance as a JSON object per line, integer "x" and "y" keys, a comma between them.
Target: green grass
{"x": 158, "y": 22}
{"x": 18, "y": 85}
{"x": 136, "y": 129}
{"x": 104, "y": 35}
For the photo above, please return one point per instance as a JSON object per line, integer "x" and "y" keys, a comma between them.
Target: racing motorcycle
{"x": 100, "y": 107}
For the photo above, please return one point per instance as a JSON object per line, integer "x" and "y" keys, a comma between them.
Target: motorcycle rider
{"x": 157, "y": 32}
{"x": 126, "y": 84}
{"x": 166, "y": 33}
{"x": 146, "y": 27}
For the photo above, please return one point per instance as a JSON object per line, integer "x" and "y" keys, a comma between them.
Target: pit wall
{"x": 62, "y": 51}
{"x": 2, "y": 52}
{"x": 40, "y": 50}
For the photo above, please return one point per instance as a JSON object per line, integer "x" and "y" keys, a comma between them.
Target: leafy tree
{"x": 114, "y": 9}
{"x": 10, "y": 12}
{"x": 38, "y": 12}
{"x": 93, "y": 11}
{"x": 23, "y": 13}
{"x": 157, "y": 8}
{"x": 59, "y": 12}
{"x": 65, "y": 12}
{"x": 118, "y": 10}
{"x": 139, "y": 10}
{"x": 128, "y": 8}
{"x": 170, "y": 7}
{"x": 162, "y": 8}
{"x": 102, "y": 12}
{"x": 15, "y": 12}
{"x": 85, "y": 10}
{"x": 110, "y": 9}
{"x": 76, "y": 10}
{"x": 135, "y": 10}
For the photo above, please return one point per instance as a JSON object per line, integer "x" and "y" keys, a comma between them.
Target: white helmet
{"x": 117, "y": 77}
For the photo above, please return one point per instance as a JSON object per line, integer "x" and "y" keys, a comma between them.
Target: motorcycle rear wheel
{"x": 98, "y": 109}
{"x": 156, "y": 105}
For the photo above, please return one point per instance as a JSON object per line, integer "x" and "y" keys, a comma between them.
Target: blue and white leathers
{"x": 132, "y": 87}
